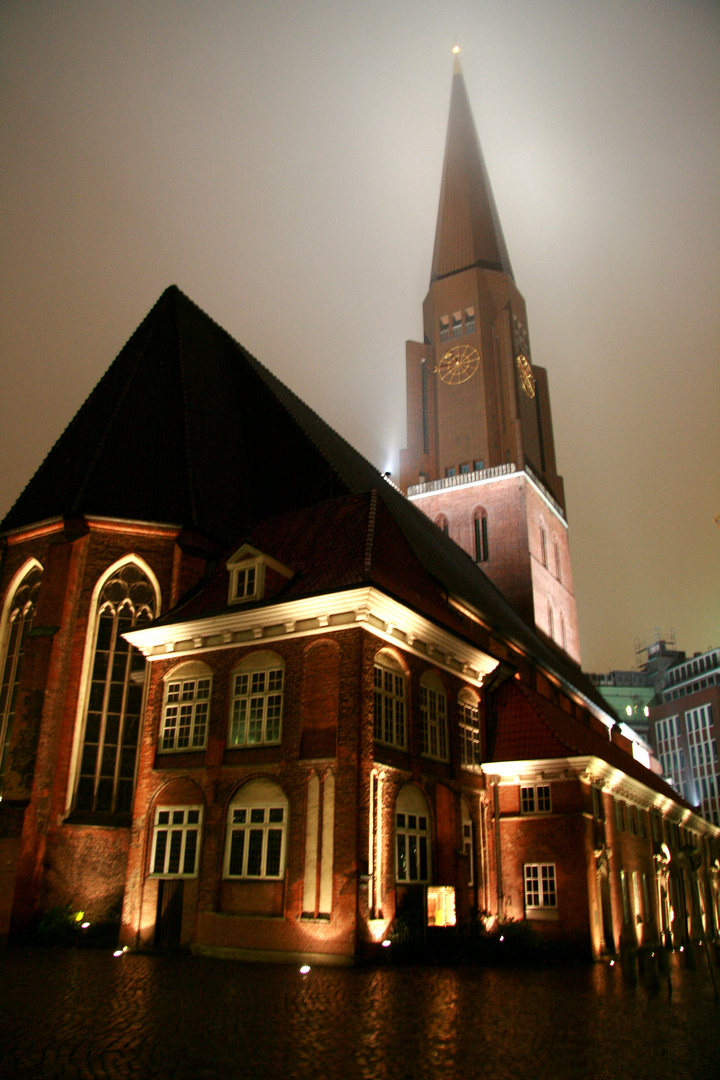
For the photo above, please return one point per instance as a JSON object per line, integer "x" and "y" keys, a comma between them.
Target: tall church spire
{"x": 480, "y": 459}
{"x": 468, "y": 227}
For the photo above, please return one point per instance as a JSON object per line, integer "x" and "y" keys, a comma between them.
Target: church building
{"x": 257, "y": 701}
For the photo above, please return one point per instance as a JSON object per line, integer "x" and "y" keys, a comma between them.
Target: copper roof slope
{"x": 184, "y": 429}
{"x": 468, "y": 227}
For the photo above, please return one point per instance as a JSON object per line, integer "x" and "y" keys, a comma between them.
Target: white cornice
{"x": 367, "y": 607}
{"x": 482, "y": 479}
{"x": 594, "y": 770}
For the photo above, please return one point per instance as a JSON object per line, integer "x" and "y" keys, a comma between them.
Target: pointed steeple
{"x": 468, "y": 227}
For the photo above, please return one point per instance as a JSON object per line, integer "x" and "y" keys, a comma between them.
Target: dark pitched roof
{"x": 186, "y": 427}
{"x": 468, "y": 226}
{"x": 530, "y": 727}
{"x": 331, "y": 546}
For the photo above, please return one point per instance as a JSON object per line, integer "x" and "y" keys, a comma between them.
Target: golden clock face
{"x": 458, "y": 364}
{"x": 525, "y": 375}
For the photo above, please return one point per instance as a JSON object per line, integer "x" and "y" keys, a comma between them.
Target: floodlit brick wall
{"x": 56, "y": 862}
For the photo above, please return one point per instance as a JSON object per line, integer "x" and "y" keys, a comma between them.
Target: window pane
{"x": 255, "y": 844}
{"x": 402, "y": 858}
{"x": 174, "y": 855}
{"x": 237, "y": 848}
{"x": 274, "y": 847}
{"x": 160, "y": 847}
{"x": 190, "y": 851}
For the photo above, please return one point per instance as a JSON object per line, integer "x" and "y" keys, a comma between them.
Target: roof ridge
{"x": 151, "y": 321}
{"x": 370, "y": 542}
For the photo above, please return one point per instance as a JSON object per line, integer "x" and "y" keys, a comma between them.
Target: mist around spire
{"x": 468, "y": 229}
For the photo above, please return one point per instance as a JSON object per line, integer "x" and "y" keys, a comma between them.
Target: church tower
{"x": 481, "y": 458}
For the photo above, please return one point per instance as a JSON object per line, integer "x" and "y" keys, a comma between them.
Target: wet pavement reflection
{"x": 83, "y": 1013}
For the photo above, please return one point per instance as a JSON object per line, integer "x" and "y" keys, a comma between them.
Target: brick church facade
{"x": 256, "y": 700}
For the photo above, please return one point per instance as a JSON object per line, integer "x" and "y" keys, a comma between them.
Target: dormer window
{"x": 246, "y": 581}
{"x": 254, "y": 575}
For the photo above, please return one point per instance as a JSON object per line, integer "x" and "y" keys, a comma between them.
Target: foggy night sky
{"x": 280, "y": 161}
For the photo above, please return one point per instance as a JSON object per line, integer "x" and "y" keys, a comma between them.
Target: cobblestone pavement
{"x": 82, "y": 1013}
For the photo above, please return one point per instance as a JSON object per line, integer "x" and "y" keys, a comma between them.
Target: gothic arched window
{"x": 16, "y": 624}
{"x": 551, "y": 620}
{"x": 543, "y": 545}
{"x": 127, "y": 599}
{"x": 480, "y": 531}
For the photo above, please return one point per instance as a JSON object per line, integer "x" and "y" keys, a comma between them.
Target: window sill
{"x": 542, "y": 914}
{"x": 99, "y": 820}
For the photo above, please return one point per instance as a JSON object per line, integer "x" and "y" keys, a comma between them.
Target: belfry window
{"x": 14, "y": 630}
{"x": 543, "y": 546}
{"x": 470, "y": 320}
{"x": 480, "y": 530}
{"x": 106, "y": 775}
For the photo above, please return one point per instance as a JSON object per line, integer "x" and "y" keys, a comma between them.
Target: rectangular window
{"x": 535, "y": 799}
{"x": 464, "y": 469}
{"x": 470, "y": 751}
{"x": 176, "y": 841}
{"x": 389, "y": 707}
{"x": 185, "y": 716}
{"x": 619, "y": 822}
{"x": 457, "y": 324}
{"x": 597, "y": 803}
{"x": 625, "y": 896}
{"x": 440, "y": 905}
{"x": 540, "y": 891}
{"x": 470, "y": 320}
{"x": 479, "y": 465}
{"x": 636, "y": 897}
{"x": 256, "y": 708}
{"x": 245, "y": 583}
{"x": 433, "y": 721}
{"x": 412, "y": 847}
{"x": 468, "y": 850}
